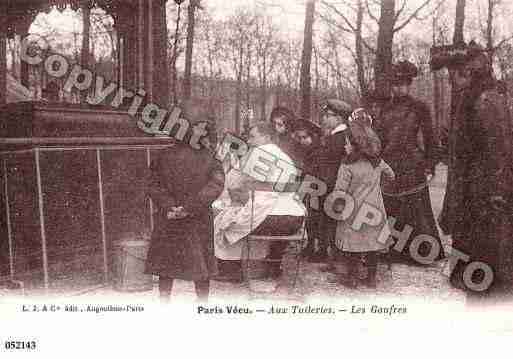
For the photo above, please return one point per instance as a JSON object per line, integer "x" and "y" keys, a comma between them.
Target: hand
{"x": 389, "y": 172}
{"x": 430, "y": 170}
{"x": 177, "y": 213}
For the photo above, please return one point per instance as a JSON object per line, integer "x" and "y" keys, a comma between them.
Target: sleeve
{"x": 201, "y": 201}
{"x": 494, "y": 122}
{"x": 386, "y": 169}
{"x": 426, "y": 123}
{"x": 344, "y": 178}
{"x": 159, "y": 193}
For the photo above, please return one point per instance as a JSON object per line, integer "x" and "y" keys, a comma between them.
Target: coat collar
{"x": 339, "y": 128}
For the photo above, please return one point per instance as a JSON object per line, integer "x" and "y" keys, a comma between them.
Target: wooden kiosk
{"x": 73, "y": 177}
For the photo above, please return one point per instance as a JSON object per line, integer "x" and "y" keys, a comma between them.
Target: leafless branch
{"x": 351, "y": 30}
{"x": 337, "y": 71}
{"x": 414, "y": 15}
{"x": 332, "y": 22}
{"x": 400, "y": 11}
{"x": 501, "y": 43}
{"x": 340, "y": 14}
{"x": 372, "y": 16}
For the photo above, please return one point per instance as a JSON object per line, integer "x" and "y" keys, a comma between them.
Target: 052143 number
{"x": 20, "y": 345}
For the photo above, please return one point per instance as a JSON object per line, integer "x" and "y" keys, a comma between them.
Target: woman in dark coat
{"x": 182, "y": 241}
{"x": 407, "y": 199}
{"x": 477, "y": 206}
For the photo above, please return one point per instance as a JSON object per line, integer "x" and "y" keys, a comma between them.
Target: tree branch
{"x": 414, "y": 15}
{"x": 332, "y": 22}
{"x": 339, "y": 13}
{"x": 403, "y": 6}
{"x": 372, "y": 16}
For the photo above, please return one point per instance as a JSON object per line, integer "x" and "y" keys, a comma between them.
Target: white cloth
{"x": 234, "y": 223}
{"x": 288, "y": 203}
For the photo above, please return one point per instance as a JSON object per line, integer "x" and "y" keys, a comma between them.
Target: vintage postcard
{"x": 283, "y": 176}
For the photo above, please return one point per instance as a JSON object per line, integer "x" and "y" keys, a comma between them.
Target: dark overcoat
{"x": 325, "y": 167}
{"x": 402, "y": 123}
{"x": 183, "y": 248}
{"x": 480, "y": 168}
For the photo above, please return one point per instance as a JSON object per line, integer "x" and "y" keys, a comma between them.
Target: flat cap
{"x": 339, "y": 107}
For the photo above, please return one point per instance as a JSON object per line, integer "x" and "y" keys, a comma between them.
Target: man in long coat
{"x": 477, "y": 206}
{"x": 184, "y": 182}
{"x": 407, "y": 199}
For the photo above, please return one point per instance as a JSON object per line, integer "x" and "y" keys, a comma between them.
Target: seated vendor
{"x": 261, "y": 201}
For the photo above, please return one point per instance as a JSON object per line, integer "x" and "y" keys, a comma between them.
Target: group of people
{"x": 382, "y": 154}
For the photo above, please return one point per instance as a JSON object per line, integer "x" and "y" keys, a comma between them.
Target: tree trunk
{"x": 174, "y": 57}
{"x": 238, "y": 95}
{"x": 489, "y": 26}
{"x": 459, "y": 22}
{"x": 263, "y": 90}
{"x": 306, "y": 60}
{"x": 360, "y": 62}
{"x": 383, "y": 62}
{"x": 188, "y": 51}
{"x": 248, "y": 76}
{"x": 436, "y": 89}
{"x": 84, "y": 55}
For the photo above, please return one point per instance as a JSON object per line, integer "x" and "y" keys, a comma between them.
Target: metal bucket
{"x": 128, "y": 266}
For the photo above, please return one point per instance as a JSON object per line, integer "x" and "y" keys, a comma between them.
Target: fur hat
{"x": 403, "y": 72}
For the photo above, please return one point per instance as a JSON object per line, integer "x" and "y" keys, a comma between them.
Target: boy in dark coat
{"x": 183, "y": 184}
{"x": 335, "y": 131}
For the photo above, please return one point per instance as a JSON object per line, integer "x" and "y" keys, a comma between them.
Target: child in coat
{"x": 359, "y": 176}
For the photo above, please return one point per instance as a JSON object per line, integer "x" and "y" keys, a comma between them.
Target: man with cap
{"x": 477, "y": 206}
{"x": 407, "y": 199}
{"x": 334, "y": 115}
{"x": 307, "y": 137}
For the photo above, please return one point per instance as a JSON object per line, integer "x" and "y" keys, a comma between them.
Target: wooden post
{"x": 8, "y": 219}
{"x": 149, "y": 69}
{"x": 42, "y": 218}
{"x": 140, "y": 43}
{"x": 3, "y": 57}
{"x": 23, "y": 28}
{"x": 102, "y": 217}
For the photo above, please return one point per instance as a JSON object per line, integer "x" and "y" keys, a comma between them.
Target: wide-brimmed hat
{"x": 456, "y": 55}
{"x": 403, "y": 72}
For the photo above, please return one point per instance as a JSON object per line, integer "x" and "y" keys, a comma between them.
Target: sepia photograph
{"x": 176, "y": 174}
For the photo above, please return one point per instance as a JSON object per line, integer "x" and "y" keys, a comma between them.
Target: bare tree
{"x": 306, "y": 60}
{"x": 389, "y": 25}
{"x": 267, "y": 52}
{"x": 191, "y": 10}
{"x": 86, "y": 35}
{"x": 459, "y": 22}
{"x": 354, "y": 27}
{"x": 238, "y": 45}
